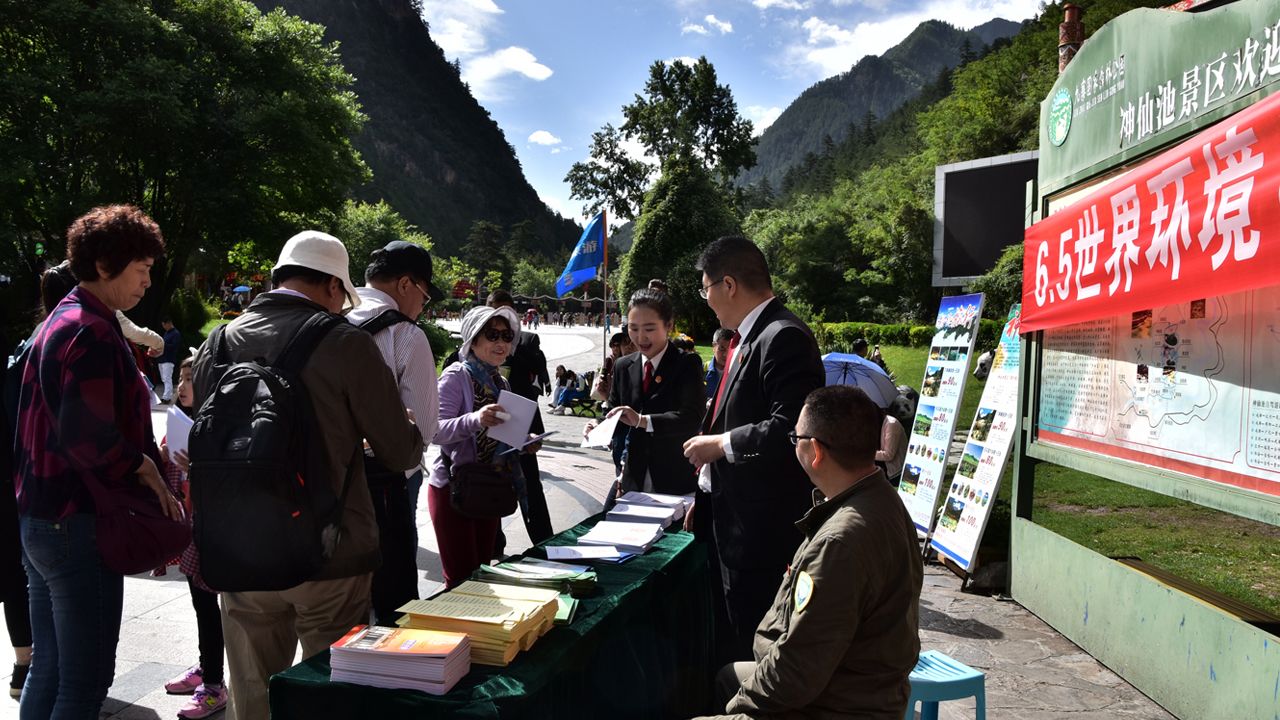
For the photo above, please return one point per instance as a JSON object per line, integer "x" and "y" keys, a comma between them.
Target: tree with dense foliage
{"x": 364, "y": 228}
{"x": 684, "y": 212}
{"x": 484, "y": 252}
{"x": 684, "y": 114}
{"x": 221, "y": 122}
{"x": 531, "y": 278}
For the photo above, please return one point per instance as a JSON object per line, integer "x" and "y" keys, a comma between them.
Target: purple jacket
{"x": 459, "y": 423}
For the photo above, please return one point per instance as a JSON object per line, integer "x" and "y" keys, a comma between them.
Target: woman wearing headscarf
{"x": 468, "y": 409}
{"x": 84, "y": 420}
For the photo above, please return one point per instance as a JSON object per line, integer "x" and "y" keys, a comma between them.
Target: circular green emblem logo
{"x": 1059, "y": 117}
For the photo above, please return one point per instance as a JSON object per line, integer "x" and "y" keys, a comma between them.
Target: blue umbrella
{"x": 240, "y": 288}
{"x": 846, "y": 369}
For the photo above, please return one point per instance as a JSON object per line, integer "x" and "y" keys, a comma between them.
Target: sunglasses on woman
{"x": 494, "y": 335}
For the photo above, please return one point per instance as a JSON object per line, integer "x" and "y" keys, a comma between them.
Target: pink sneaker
{"x": 187, "y": 682}
{"x": 208, "y": 700}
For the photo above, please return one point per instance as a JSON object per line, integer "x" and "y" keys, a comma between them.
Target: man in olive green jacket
{"x": 355, "y": 398}
{"x": 843, "y": 634}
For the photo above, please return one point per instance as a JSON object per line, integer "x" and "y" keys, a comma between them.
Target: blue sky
{"x": 551, "y": 72}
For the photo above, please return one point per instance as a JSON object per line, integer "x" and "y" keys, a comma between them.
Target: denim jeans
{"x": 76, "y": 605}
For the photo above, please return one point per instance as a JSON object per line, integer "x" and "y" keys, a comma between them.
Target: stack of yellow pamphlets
{"x": 500, "y": 620}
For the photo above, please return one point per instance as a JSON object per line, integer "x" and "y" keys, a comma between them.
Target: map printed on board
{"x": 1192, "y": 387}
{"x": 940, "y": 394}
{"x": 977, "y": 478}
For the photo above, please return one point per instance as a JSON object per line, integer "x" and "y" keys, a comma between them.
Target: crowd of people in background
{"x": 749, "y": 436}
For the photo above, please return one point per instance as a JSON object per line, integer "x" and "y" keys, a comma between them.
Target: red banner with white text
{"x": 1200, "y": 219}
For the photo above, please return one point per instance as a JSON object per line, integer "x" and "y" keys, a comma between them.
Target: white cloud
{"x": 780, "y": 4}
{"x": 830, "y": 47}
{"x": 761, "y": 117}
{"x": 557, "y": 150}
{"x": 683, "y": 59}
{"x": 459, "y": 26}
{"x": 461, "y": 29}
{"x": 695, "y": 28}
{"x": 724, "y": 26}
{"x": 542, "y": 137}
{"x": 483, "y": 72}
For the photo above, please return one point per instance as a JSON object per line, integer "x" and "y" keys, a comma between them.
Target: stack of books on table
{"x": 500, "y": 620}
{"x": 576, "y": 580}
{"x": 679, "y": 504}
{"x": 401, "y": 658}
{"x": 626, "y": 512}
{"x": 633, "y": 537}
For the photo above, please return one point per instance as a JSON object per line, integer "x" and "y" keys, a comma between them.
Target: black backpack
{"x": 260, "y": 522}
{"x": 377, "y": 474}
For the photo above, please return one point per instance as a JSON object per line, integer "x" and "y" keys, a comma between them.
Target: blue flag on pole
{"x": 586, "y": 259}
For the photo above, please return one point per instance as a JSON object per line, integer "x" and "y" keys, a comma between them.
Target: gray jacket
{"x": 354, "y": 396}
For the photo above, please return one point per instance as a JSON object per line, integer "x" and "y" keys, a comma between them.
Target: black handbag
{"x": 481, "y": 490}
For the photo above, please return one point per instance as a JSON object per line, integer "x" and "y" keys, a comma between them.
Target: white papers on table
{"x": 515, "y": 431}
{"x": 602, "y": 434}
{"x": 579, "y": 552}
{"x": 682, "y": 503}
{"x": 626, "y": 512}
{"x": 177, "y": 430}
{"x": 625, "y": 536}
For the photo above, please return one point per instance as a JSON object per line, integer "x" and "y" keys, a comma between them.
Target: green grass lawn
{"x": 1237, "y": 557}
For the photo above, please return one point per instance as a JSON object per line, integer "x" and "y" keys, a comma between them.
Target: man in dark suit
{"x": 757, "y": 489}
{"x": 527, "y": 367}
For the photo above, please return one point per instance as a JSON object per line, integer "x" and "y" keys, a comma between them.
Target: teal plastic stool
{"x": 937, "y": 678}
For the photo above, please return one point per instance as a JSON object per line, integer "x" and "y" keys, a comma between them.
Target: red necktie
{"x": 724, "y": 377}
{"x": 648, "y": 376}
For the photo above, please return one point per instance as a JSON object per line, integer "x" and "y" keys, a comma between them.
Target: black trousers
{"x": 208, "y": 632}
{"x": 395, "y": 582}
{"x": 537, "y": 518}
{"x": 748, "y": 595}
{"x": 13, "y": 576}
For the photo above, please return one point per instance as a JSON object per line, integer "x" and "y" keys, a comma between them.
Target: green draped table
{"x": 640, "y": 647}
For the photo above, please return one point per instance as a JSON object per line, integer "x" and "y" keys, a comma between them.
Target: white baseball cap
{"x": 322, "y": 252}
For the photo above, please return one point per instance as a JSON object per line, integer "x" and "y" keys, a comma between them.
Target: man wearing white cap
{"x": 354, "y": 396}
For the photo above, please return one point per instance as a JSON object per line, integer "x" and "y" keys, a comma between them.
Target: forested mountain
{"x": 873, "y": 88}
{"x": 436, "y": 154}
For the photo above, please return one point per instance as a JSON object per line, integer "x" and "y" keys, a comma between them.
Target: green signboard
{"x": 1150, "y": 77}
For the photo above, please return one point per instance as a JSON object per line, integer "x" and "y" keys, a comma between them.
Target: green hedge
{"x": 189, "y": 311}
{"x": 839, "y": 337}
{"x": 441, "y": 343}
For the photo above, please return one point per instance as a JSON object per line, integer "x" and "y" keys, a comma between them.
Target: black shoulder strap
{"x": 304, "y": 342}
{"x": 386, "y": 319}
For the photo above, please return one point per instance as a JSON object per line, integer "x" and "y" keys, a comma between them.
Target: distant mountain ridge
{"x": 436, "y": 154}
{"x": 876, "y": 84}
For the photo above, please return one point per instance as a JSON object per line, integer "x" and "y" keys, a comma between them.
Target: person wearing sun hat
{"x": 354, "y": 395}
{"x": 468, "y": 409}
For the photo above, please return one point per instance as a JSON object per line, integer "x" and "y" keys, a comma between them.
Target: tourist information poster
{"x": 941, "y": 390}
{"x": 977, "y": 477}
{"x": 1190, "y": 387}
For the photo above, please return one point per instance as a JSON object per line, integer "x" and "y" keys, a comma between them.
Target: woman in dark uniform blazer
{"x": 659, "y": 393}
